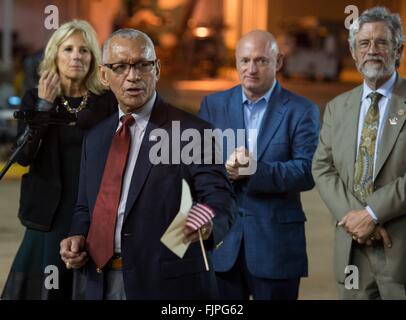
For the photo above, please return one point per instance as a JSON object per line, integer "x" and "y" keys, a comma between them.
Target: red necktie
{"x": 100, "y": 239}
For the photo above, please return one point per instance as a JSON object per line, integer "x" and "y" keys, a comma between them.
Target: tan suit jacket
{"x": 333, "y": 171}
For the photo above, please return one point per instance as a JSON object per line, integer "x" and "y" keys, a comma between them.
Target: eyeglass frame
{"x": 132, "y": 65}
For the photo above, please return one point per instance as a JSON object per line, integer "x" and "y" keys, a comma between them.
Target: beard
{"x": 377, "y": 71}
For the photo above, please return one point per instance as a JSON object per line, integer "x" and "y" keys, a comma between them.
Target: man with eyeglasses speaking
{"x": 126, "y": 201}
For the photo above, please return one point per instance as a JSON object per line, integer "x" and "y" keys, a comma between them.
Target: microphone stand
{"x": 21, "y": 142}
{"x": 34, "y": 118}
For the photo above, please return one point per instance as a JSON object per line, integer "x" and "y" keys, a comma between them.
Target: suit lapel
{"x": 350, "y": 129}
{"x": 106, "y": 140}
{"x": 393, "y": 123}
{"x": 272, "y": 119}
{"x": 235, "y": 112}
{"x": 143, "y": 164}
{"x": 234, "y": 120}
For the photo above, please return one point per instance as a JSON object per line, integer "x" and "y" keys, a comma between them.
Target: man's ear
{"x": 103, "y": 76}
{"x": 158, "y": 69}
{"x": 352, "y": 53}
{"x": 279, "y": 62}
{"x": 399, "y": 52}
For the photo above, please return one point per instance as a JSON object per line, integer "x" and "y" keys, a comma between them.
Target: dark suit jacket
{"x": 150, "y": 270}
{"x": 41, "y": 187}
{"x": 270, "y": 218}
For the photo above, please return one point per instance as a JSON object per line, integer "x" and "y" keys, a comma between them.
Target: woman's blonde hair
{"x": 92, "y": 80}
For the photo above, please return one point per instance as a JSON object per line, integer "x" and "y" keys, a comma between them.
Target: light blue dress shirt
{"x": 253, "y": 114}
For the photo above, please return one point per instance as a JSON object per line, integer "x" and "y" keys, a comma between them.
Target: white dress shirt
{"x": 386, "y": 91}
{"x": 137, "y": 130}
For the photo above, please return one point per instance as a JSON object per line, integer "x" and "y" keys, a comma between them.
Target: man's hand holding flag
{"x": 199, "y": 226}
{"x": 192, "y": 223}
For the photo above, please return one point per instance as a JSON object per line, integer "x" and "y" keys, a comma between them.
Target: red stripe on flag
{"x": 203, "y": 214}
{"x": 199, "y": 214}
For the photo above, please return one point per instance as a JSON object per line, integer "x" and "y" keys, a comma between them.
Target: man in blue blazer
{"x": 264, "y": 254}
{"x": 140, "y": 266}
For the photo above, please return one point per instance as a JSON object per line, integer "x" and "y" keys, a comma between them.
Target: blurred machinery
{"x": 187, "y": 33}
{"x": 312, "y": 49}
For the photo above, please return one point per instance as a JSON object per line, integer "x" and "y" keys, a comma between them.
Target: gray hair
{"x": 379, "y": 14}
{"x": 129, "y": 34}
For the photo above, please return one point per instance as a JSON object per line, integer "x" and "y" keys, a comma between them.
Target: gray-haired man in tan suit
{"x": 360, "y": 164}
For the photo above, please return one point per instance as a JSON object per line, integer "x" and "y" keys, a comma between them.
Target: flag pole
{"x": 203, "y": 250}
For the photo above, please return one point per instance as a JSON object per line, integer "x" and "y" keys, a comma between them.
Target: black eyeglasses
{"x": 121, "y": 68}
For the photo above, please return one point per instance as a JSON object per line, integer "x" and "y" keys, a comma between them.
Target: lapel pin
{"x": 393, "y": 121}
{"x": 401, "y": 112}
{"x": 153, "y": 138}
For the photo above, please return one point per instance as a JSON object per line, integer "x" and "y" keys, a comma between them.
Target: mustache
{"x": 374, "y": 59}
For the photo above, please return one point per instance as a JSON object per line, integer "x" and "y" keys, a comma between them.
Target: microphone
{"x": 41, "y": 118}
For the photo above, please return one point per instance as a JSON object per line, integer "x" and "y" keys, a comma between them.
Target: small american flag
{"x": 198, "y": 215}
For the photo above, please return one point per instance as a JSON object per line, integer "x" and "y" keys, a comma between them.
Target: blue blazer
{"x": 151, "y": 270}
{"x": 269, "y": 219}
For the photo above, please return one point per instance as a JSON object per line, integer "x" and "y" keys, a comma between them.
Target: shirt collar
{"x": 385, "y": 90}
{"x": 266, "y": 96}
{"x": 142, "y": 114}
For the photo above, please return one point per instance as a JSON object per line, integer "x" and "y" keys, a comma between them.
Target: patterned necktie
{"x": 364, "y": 166}
{"x": 100, "y": 239}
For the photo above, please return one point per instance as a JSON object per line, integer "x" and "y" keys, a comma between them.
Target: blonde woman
{"x": 69, "y": 83}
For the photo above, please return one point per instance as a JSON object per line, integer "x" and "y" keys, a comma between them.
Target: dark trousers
{"x": 239, "y": 284}
{"x": 113, "y": 285}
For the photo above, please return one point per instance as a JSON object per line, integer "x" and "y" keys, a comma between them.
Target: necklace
{"x": 81, "y": 106}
